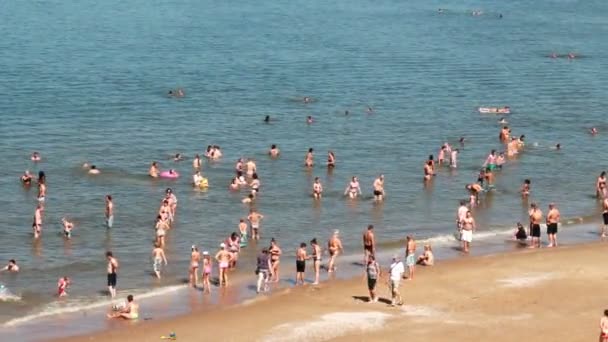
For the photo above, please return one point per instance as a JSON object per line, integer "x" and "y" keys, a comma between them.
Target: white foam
{"x": 58, "y": 308}
{"x": 527, "y": 280}
{"x": 327, "y": 327}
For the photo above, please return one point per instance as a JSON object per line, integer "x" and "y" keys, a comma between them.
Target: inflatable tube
{"x": 167, "y": 174}
{"x": 494, "y": 110}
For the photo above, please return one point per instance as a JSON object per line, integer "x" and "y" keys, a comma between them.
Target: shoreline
{"x": 344, "y": 296}
{"x": 492, "y": 294}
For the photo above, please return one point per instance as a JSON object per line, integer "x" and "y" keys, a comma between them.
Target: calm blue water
{"x": 84, "y": 81}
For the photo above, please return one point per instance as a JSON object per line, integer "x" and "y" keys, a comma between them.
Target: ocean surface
{"x": 86, "y": 81}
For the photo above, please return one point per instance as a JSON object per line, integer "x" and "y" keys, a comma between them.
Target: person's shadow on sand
{"x": 366, "y": 299}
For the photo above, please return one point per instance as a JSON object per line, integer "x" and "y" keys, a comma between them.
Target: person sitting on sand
{"x": 427, "y": 258}
{"x": 130, "y": 311}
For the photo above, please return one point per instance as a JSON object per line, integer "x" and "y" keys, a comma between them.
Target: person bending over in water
{"x": 62, "y": 286}
{"x": 427, "y": 258}
{"x": 317, "y": 189}
{"x": 520, "y": 233}
{"x": 130, "y": 311}
{"x": 353, "y": 189}
{"x": 474, "y": 190}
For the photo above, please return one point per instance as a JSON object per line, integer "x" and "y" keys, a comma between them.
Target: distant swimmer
{"x": 428, "y": 170}
{"x": 440, "y": 11}
{"x": 67, "y": 228}
{"x": 11, "y": 267}
{"x": 274, "y": 151}
{"x": 525, "y": 188}
{"x": 93, "y": 170}
{"x": 129, "y": 312}
{"x": 427, "y": 258}
{"x": 37, "y": 225}
{"x": 234, "y": 184}
{"x": 35, "y": 157}
{"x": 593, "y": 131}
{"x": 505, "y": 134}
{"x": 267, "y": 119}
{"x": 158, "y": 259}
{"x": 317, "y": 189}
{"x": 346, "y": 113}
{"x": 153, "y": 171}
{"x": 331, "y": 159}
{"x": 309, "y": 120}
{"x": 307, "y": 99}
{"x": 197, "y": 162}
{"x": 369, "y": 110}
{"x": 441, "y": 155}
{"x": 461, "y": 141}
{"x": 251, "y": 167}
{"x": 26, "y": 178}
{"x": 558, "y": 147}
{"x": 353, "y": 189}
{"x": 553, "y": 55}
{"x": 309, "y": 159}
{"x": 502, "y": 121}
{"x": 378, "y": 187}
{"x": 255, "y": 184}
{"x": 62, "y": 286}
{"x": 571, "y": 55}
{"x": 178, "y": 157}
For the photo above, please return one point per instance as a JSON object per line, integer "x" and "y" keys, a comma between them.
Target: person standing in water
{"x": 223, "y": 258}
{"x": 525, "y": 189}
{"x": 536, "y": 215}
{"x": 153, "y": 171}
{"x": 41, "y": 187}
{"x": 454, "y": 158}
{"x": 466, "y": 233}
{"x": 316, "y": 257}
{"x": 207, "y": 267}
{"x": 379, "y": 188}
{"x": 309, "y": 159}
{"x": 195, "y": 258}
{"x": 317, "y": 189}
{"x": 301, "y": 257}
{"x": 553, "y": 217}
{"x": 600, "y": 184}
{"x": 251, "y": 167}
{"x": 158, "y": 257}
{"x": 263, "y": 271}
{"x": 369, "y": 244}
{"x": 353, "y": 190}
{"x": 334, "y": 246}
{"x": 197, "y": 163}
{"x": 37, "y": 225}
{"x": 62, "y": 286}
{"x": 605, "y": 217}
{"x": 112, "y": 270}
{"x": 274, "y": 151}
{"x": 410, "y": 256}
{"x": 109, "y": 211}
{"x": 254, "y": 219}
{"x": 331, "y": 160}
{"x": 275, "y": 260}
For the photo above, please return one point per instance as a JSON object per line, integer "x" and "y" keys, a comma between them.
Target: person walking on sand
{"x": 254, "y": 219}
{"x": 223, "y": 258}
{"x": 316, "y": 257}
{"x": 334, "y": 246}
{"x": 605, "y": 217}
{"x": 536, "y": 215}
{"x": 158, "y": 258}
{"x": 109, "y": 211}
{"x": 396, "y": 272}
{"x": 466, "y": 233}
{"x": 373, "y": 274}
{"x": 112, "y": 270}
{"x": 301, "y": 257}
{"x": 263, "y": 271}
{"x": 553, "y": 217}
{"x": 604, "y": 327}
{"x": 369, "y": 244}
{"x": 410, "y": 256}
{"x": 195, "y": 258}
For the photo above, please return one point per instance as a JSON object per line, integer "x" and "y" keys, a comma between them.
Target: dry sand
{"x": 533, "y": 295}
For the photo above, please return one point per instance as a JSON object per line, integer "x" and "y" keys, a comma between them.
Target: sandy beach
{"x": 537, "y": 295}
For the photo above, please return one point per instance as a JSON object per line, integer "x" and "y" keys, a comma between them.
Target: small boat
{"x": 494, "y": 110}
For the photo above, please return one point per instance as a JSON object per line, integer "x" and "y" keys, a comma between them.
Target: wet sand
{"x": 537, "y": 295}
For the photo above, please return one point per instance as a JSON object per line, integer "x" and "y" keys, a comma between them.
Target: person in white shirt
{"x": 396, "y": 272}
{"x": 462, "y": 214}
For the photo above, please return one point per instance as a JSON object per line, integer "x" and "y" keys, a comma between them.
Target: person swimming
{"x": 35, "y": 157}
{"x": 26, "y": 178}
{"x": 309, "y": 120}
{"x": 93, "y": 170}
{"x": 267, "y": 119}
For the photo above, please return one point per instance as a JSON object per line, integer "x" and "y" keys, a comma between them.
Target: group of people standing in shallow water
{"x": 268, "y": 261}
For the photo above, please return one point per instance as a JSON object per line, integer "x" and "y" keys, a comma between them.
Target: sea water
{"x": 86, "y": 81}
